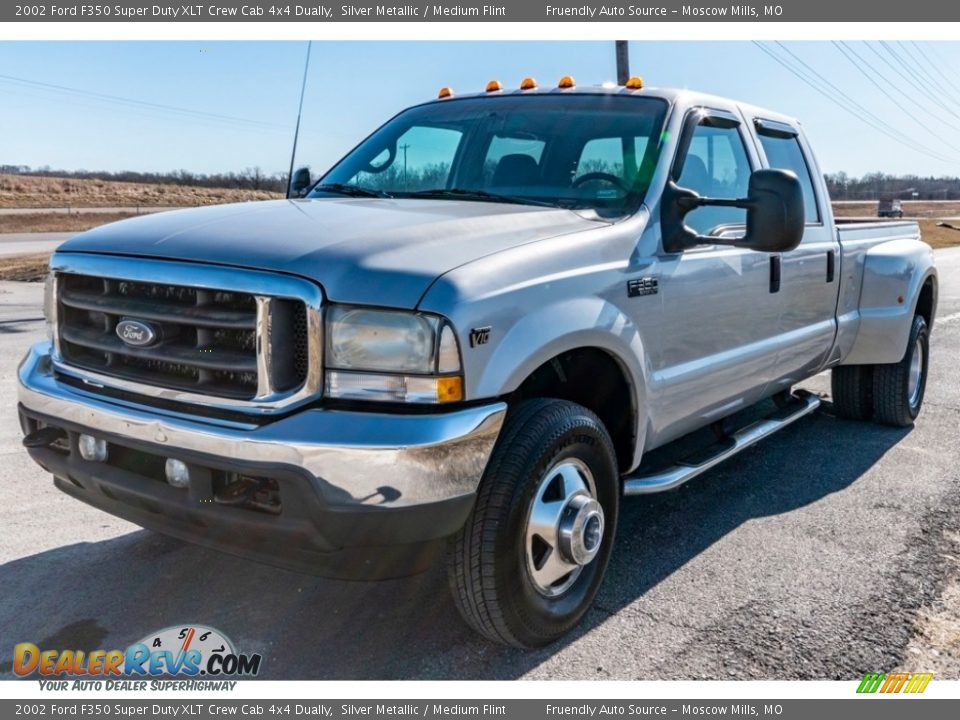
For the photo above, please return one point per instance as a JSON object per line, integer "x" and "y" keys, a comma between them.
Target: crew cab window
{"x": 784, "y": 153}
{"x": 421, "y": 158}
{"x": 716, "y": 166}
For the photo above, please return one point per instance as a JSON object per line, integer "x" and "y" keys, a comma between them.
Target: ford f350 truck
{"x": 493, "y": 319}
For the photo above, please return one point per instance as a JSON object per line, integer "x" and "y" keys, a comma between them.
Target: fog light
{"x": 178, "y": 474}
{"x": 92, "y": 449}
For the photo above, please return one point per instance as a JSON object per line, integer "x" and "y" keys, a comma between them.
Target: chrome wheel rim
{"x": 916, "y": 372}
{"x": 564, "y": 530}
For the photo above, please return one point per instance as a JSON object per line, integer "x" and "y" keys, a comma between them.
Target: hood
{"x": 366, "y": 251}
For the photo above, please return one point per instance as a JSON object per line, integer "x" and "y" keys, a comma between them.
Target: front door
{"x": 714, "y": 350}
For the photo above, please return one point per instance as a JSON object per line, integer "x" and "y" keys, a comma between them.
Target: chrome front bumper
{"x": 374, "y": 460}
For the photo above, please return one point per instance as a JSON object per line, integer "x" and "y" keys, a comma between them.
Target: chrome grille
{"x": 210, "y": 342}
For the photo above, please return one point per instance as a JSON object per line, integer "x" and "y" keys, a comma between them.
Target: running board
{"x": 692, "y": 466}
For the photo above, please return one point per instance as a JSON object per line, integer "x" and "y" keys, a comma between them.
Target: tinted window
{"x": 785, "y": 153}
{"x": 716, "y": 166}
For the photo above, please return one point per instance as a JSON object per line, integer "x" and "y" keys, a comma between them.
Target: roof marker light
{"x": 566, "y": 82}
{"x": 445, "y": 92}
{"x": 494, "y": 86}
{"x": 634, "y": 83}
{"x": 528, "y": 83}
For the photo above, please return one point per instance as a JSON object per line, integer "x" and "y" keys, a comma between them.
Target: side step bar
{"x": 692, "y": 466}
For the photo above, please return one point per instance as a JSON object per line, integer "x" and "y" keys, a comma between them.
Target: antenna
{"x": 296, "y": 131}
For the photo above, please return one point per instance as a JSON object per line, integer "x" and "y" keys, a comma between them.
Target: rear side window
{"x": 784, "y": 153}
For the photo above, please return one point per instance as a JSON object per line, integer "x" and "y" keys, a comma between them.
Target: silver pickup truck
{"x": 494, "y": 318}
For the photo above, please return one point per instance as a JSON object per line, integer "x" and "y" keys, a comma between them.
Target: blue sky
{"x": 240, "y": 98}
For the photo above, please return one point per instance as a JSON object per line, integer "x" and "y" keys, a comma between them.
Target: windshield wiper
{"x": 462, "y": 194}
{"x": 352, "y": 190}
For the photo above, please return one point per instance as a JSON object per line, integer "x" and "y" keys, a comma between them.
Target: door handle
{"x": 774, "y": 273}
{"x": 831, "y": 263}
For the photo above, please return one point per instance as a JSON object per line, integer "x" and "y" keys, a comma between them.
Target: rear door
{"x": 809, "y": 275}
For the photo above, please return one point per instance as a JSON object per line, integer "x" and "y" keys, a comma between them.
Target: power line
{"x": 843, "y": 48}
{"x": 912, "y": 83}
{"x": 895, "y": 136}
{"x": 918, "y": 63}
{"x": 920, "y": 78}
{"x": 139, "y": 103}
{"x": 934, "y": 65}
{"x": 926, "y": 76}
{"x": 837, "y": 90}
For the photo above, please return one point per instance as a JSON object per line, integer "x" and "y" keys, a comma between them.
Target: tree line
{"x": 841, "y": 185}
{"x": 874, "y": 186}
{"x": 247, "y": 179}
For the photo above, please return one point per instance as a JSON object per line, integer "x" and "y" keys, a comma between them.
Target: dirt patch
{"x": 61, "y": 222}
{"x": 31, "y": 191}
{"x": 935, "y": 646}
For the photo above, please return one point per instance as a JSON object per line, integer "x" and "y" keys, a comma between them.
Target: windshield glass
{"x": 576, "y": 151}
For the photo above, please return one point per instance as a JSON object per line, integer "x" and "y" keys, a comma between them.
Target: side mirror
{"x": 775, "y": 214}
{"x": 300, "y": 181}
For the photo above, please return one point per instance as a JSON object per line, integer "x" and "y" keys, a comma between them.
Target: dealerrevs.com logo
{"x": 183, "y": 651}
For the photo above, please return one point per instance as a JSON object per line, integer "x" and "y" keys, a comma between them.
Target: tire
{"x": 897, "y": 400}
{"x": 851, "y": 387}
{"x": 498, "y": 566}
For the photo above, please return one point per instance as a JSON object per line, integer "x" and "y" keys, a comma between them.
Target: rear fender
{"x": 893, "y": 275}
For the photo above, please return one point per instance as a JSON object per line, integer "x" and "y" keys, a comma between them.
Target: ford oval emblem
{"x": 136, "y": 333}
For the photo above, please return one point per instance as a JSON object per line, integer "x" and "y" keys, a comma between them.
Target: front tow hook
{"x": 44, "y": 437}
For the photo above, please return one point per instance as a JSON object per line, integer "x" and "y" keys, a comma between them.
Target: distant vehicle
{"x": 488, "y": 323}
{"x": 890, "y": 207}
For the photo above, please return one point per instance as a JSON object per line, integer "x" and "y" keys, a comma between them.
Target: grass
{"x": 24, "y": 268}
{"x": 30, "y": 191}
{"x": 937, "y": 236}
{"x": 911, "y": 209}
{"x": 57, "y": 222}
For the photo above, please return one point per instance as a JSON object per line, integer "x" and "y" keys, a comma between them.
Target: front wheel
{"x": 530, "y": 559}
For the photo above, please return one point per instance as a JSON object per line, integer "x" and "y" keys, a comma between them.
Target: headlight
{"x": 391, "y": 356}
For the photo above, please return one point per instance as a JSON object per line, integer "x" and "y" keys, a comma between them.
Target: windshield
{"x": 575, "y": 151}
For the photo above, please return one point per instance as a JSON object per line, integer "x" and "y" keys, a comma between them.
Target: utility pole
{"x": 405, "y": 147}
{"x": 623, "y": 62}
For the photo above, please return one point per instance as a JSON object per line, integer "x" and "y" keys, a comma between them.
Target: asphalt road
{"x": 807, "y": 556}
{"x": 28, "y": 243}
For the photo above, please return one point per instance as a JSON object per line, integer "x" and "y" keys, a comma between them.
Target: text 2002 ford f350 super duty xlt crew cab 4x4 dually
{"x": 491, "y": 320}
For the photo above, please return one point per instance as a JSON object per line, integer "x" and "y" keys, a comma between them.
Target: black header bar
{"x": 641, "y": 11}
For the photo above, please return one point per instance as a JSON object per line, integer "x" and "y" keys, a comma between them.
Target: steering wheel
{"x": 602, "y": 176}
